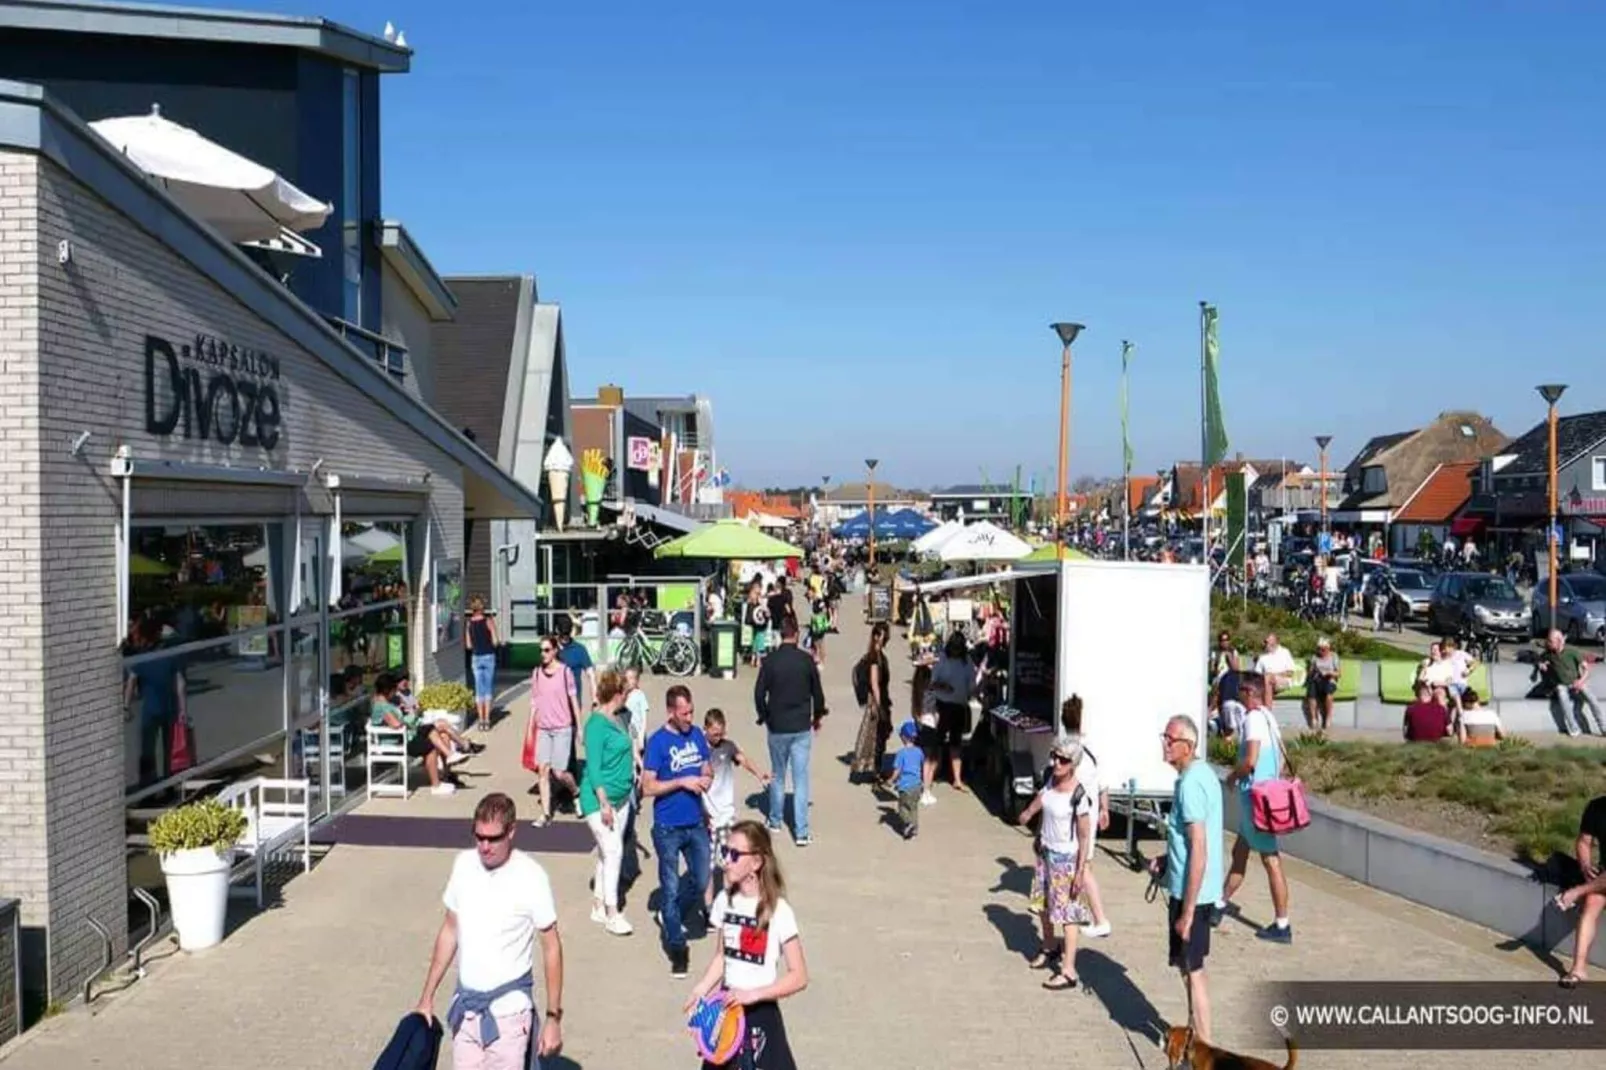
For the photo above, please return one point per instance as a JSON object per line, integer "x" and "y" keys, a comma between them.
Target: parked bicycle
{"x": 653, "y": 644}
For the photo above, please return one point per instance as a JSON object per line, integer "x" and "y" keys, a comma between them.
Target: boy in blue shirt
{"x": 907, "y": 768}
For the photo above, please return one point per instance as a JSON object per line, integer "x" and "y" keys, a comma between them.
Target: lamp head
{"x": 1552, "y": 392}
{"x": 870, "y": 463}
{"x": 1322, "y": 441}
{"x": 1067, "y": 331}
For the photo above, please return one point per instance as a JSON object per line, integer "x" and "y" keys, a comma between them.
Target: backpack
{"x": 861, "y": 680}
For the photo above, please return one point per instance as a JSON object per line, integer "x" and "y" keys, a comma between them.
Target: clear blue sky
{"x": 850, "y": 223}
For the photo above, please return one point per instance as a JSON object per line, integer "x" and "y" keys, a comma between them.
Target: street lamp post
{"x": 870, "y": 488}
{"x": 825, "y": 497}
{"x": 1552, "y": 392}
{"x": 1321, "y": 446}
{"x": 1067, "y": 334}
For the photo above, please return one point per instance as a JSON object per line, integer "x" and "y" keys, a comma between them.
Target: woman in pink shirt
{"x": 549, "y": 737}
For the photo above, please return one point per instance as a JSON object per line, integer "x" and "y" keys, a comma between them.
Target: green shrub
{"x": 450, "y": 696}
{"x": 1248, "y": 623}
{"x": 1222, "y": 752}
{"x": 205, "y": 823}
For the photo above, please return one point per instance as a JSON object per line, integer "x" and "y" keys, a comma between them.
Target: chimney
{"x": 611, "y": 395}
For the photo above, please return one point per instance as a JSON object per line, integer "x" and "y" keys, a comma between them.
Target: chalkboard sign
{"x": 1035, "y": 625}
{"x": 880, "y": 606}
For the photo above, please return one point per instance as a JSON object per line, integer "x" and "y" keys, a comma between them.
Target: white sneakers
{"x": 927, "y": 799}
{"x": 617, "y": 925}
{"x": 1090, "y": 929}
{"x": 444, "y": 788}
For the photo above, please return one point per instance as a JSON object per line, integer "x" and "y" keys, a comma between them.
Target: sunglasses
{"x": 1059, "y": 760}
{"x": 498, "y": 838}
{"x": 731, "y": 854}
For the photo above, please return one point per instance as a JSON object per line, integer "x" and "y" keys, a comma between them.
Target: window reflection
{"x": 371, "y": 641}
{"x": 373, "y": 563}
{"x": 202, "y": 582}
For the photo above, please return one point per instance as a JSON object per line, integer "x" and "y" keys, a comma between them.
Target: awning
{"x": 655, "y": 514}
{"x": 288, "y": 241}
{"x": 1466, "y": 525}
{"x": 959, "y": 583}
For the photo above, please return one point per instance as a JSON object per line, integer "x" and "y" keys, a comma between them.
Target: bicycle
{"x": 653, "y": 645}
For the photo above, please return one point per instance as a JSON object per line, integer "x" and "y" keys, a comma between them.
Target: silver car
{"x": 1580, "y": 606}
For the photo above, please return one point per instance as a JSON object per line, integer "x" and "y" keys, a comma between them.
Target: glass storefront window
{"x": 206, "y": 581}
{"x": 308, "y": 594}
{"x": 371, "y": 640}
{"x": 373, "y": 563}
{"x": 448, "y": 599}
{"x": 221, "y": 699}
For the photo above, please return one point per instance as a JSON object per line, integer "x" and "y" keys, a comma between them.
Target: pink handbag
{"x": 1278, "y": 806}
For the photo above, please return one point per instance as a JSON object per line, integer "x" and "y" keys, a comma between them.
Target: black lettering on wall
{"x": 165, "y": 423}
{"x": 224, "y": 394}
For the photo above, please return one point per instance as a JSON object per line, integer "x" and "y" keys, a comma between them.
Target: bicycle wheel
{"x": 633, "y": 654}
{"x": 678, "y": 656}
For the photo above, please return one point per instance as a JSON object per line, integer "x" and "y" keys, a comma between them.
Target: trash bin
{"x": 722, "y": 647}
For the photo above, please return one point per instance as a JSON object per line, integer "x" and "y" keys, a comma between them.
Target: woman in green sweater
{"x": 605, "y": 787}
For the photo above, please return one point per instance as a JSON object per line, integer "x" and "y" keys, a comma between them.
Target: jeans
{"x": 670, "y": 844}
{"x": 1580, "y": 699}
{"x": 790, "y": 750}
{"x": 610, "y": 853}
{"x": 155, "y": 747}
{"x": 484, "y": 676}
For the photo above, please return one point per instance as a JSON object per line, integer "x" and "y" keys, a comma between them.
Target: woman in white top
{"x": 1478, "y": 726}
{"x": 1065, "y": 842}
{"x": 757, "y": 929}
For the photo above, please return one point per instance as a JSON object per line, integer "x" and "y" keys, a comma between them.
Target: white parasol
{"x": 241, "y": 199}
{"x": 934, "y": 538}
{"x": 983, "y": 541}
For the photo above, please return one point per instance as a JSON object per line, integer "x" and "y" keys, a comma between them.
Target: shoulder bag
{"x": 1278, "y": 805}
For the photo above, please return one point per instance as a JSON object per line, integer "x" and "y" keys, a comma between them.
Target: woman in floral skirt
{"x": 1063, "y": 844}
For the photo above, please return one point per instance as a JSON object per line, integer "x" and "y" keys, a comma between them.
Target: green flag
{"x": 1215, "y": 430}
{"x": 1126, "y": 438}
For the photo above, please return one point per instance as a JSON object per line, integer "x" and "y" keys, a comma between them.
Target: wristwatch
{"x": 556, "y": 1016}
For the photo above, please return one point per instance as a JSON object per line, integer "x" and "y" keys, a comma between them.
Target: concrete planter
{"x": 197, "y": 895}
{"x": 1461, "y": 881}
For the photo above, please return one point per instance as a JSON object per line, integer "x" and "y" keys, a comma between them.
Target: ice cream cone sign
{"x": 593, "y": 479}
{"x": 559, "y": 464}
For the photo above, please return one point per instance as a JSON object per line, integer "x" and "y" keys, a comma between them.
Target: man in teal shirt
{"x": 1191, "y": 865}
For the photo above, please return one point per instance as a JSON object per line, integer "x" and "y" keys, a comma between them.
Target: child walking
{"x": 756, "y": 929}
{"x": 908, "y": 766}
{"x": 1064, "y": 843}
{"x": 719, "y": 801}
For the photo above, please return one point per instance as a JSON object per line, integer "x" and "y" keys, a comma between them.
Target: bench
{"x": 1397, "y": 681}
{"x": 277, "y": 815}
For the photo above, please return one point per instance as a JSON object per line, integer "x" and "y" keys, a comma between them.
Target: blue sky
{"x": 851, "y": 223}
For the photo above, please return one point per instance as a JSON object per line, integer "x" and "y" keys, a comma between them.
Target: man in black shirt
{"x": 1590, "y": 896}
{"x": 791, "y": 704}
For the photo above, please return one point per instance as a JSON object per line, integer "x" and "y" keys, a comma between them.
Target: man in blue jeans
{"x": 791, "y": 704}
{"x": 675, "y": 774}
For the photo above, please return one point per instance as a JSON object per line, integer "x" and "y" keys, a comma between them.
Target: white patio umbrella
{"x": 983, "y": 541}
{"x": 241, "y": 199}
{"x": 938, "y": 535}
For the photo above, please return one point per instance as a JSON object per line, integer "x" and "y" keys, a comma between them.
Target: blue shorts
{"x": 484, "y": 676}
{"x": 1260, "y": 842}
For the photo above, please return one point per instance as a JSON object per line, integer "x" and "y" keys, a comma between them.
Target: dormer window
{"x": 1467, "y": 432}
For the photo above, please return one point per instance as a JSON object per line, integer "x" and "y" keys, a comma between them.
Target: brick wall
{"x": 61, "y": 749}
{"x": 24, "y": 859}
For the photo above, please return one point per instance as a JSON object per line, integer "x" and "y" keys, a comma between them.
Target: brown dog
{"x": 1183, "y": 1052}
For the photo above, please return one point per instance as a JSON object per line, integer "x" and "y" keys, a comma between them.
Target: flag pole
{"x": 1126, "y": 462}
{"x": 1204, "y": 439}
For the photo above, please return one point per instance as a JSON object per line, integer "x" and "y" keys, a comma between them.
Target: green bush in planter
{"x": 205, "y": 823}
{"x": 450, "y": 696}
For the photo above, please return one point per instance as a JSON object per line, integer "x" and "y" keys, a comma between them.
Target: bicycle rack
{"x": 105, "y": 935}
{"x": 151, "y": 904}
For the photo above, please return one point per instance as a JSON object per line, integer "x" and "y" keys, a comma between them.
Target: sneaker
{"x": 598, "y": 914}
{"x": 927, "y": 799}
{"x": 774, "y": 827}
{"x": 803, "y": 841}
{"x": 1217, "y": 913}
{"x": 1276, "y": 934}
{"x": 618, "y": 926}
{"x": 476, "y": 748}
{"x": 541, "y": 822}
{"x": 457, "y": 758}
{"x": 679, "y": 962}
{"x": 443, "y": 789}
{"x": 1096, "y": 930}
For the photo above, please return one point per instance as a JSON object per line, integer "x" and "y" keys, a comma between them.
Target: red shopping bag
{"x": 181, "y": 746}
{"x": 529, "y": 745}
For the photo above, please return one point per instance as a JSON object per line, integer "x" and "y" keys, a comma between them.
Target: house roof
{"x": 975, "y": 490}
{"x": 1138, "y": 490}
{"x": 1377, "y": 446}
{"x": 1409, "y": 457}
{"x": 1440, "y": 496}
{"x": 1575, "y": 436}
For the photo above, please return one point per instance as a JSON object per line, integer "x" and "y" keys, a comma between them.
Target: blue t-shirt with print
{"x": 671, "y": 755}
{"x": 909, "y": 764}
{"x": 575, "y": 655}
{"x": 1197, "y": 799}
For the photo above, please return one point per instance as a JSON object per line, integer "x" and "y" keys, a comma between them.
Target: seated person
{"x": 425, "y": 740}
{"x": 1477, "y": 725}
{"x": 1462, "y": 664}
{"x": 447, "y": 722}
{"x": 1427, "y": 720}
{"x": 1590, "y": 895}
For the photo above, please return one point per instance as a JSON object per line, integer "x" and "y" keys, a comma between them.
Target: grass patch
{"x": 1529, "y": 797}
{"x": 1248, "y": 623}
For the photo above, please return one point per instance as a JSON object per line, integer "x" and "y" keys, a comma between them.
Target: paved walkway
{"x": 916, "y": 950}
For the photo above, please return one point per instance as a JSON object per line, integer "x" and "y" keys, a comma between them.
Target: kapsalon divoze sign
{"x": 212, "y": 389}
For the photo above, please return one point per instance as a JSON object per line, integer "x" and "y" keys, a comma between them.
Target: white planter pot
{"x": 197, "y": 895}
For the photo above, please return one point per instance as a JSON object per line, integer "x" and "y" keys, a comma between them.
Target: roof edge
{"x": 403, "y": 254}
{"x": 175, "y": 23}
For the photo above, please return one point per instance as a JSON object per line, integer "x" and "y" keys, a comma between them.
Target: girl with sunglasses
{"x": 757, "y": 929}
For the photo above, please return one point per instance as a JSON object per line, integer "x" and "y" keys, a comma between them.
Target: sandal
{"x": 1046, "y": 956}
{"x": 1572, "y": 980}
{"x": 1060, "y": 982}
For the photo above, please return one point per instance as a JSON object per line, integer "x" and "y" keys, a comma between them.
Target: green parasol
{"x": 728, "y": 540}
{"x": 1046, "y": 553}
{"x": 140, "y": 565}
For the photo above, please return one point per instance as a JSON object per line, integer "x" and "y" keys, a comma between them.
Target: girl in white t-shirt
{"x": 756, "y": 930}
{"x": 1065, "y": 842}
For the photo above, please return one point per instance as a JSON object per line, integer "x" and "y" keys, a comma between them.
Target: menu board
{"x": 1035, "y": 626}
{"x": 880, "y": 605}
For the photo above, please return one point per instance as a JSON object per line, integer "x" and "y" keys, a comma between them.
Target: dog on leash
{"x": 1185, "y": 1052}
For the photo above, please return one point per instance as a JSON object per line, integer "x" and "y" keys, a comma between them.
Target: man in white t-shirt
{"x": 497, "y": 901}
{"x": 1276, "y": 664}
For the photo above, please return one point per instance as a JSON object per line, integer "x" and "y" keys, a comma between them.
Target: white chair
{"x": 314, "y": 752}
{"x": 277, "y": 814}
{"x": 387, "y": 747}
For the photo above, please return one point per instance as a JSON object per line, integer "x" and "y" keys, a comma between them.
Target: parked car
{"x": 1480, "y": 603}
{"x": 1413, "y": 585}
{"x": 1580, "y": 606}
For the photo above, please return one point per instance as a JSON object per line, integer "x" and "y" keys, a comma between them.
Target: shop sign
{"x": 1582, "y": 506}
{"x": 212, "y": 389}
{"x": 638, "y": 452}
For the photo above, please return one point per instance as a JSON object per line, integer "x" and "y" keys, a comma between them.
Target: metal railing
{"x": 390, "y": 356}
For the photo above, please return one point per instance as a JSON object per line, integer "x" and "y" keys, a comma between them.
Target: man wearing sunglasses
{"x": 497, "y": 901}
